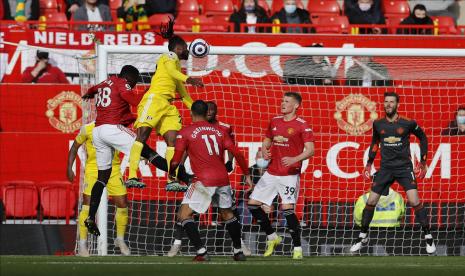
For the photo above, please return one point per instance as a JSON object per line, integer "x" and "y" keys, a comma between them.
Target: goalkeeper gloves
{"x": 229, "y": 166}
{"x": 366, "y": 172}
{"x": 420, "y": 170}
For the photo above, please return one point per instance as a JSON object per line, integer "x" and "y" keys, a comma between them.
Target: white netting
{"x": 248, "y": 91}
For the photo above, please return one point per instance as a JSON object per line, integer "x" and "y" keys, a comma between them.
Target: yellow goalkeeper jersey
{"x": 168, "y": 79}
{"x": 85, "y": 137}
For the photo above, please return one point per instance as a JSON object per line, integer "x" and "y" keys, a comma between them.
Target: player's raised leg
{"x": 143, "y": 133}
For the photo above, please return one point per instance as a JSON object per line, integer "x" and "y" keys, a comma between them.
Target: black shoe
{"x": 92, "y": 227}
{"x": 239, "y": 257}
{"x": 135, "y": 183}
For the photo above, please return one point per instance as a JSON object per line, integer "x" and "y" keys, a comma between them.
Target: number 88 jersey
{"x": 114, "y": 97}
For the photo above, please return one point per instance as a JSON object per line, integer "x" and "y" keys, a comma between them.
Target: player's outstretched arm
{"x": 92, "y": 91}
{"x": 243, "y": 164}
{"x": 374, "y": 146}
{"x": 71, "y": 157}
{"x": 186, "y": 98}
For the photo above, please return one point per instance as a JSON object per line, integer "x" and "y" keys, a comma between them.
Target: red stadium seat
{"x": 264, "y": 5}
{"x": 332, "y": 24}
{"x": 277, "y": 5}
{"x": 395, "y": 8}
{"x": 212, "y": 7}
{"x": 48, "y": 4}
{"x": 2, "y": 12}
{"x": 54, "y": 19}
{"x": 392, "y": 22}
{"x": 159, "y": 18}
{"x": 20, "y": 200}
{"x": 202, "y": 23}
{"x": 115, "y": 4}
{"x": 58, "y": 199}
{"x": 318, "y": 8}
{"x": 14, "y": 182}
{"x": 446, "y": 24}
{"x": 187, "y": 7}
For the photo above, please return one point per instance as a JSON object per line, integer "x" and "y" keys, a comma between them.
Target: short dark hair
{"x": 199, "y": 108}
{"x": 392, "y": 94}
{"x": 212, "y": 103}
{"x": 174, "y": 41}
{"x": 294, "y": 95}
{"x": 420, "y": 7}
{"x": 129, "y": 71}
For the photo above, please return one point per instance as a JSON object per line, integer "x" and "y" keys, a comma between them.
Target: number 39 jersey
{"x": 114, "y": 97}
{"x": 205, "y": 144}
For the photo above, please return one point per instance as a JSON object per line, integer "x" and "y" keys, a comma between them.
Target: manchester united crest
{"x": 62, "y": 111}
{"x": 351, "y": 114}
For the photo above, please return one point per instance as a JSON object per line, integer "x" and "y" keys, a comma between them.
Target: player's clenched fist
{"x": 366, "y": 172}
{"x": 420, "y": 170}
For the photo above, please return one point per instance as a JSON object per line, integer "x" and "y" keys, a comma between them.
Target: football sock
{"x": 262, "y": 218}
{"x": 236, "y": 213}
{"x": 422, "y": 217}
{"x": 234, "y": 229}
{"x": 82, "y": 217}
{"x": 293, "y": 225}
{"x": 178, "y": 231}
{"x": 121, "y": 222}
{"x": 168, "y": 156}
{"x": 367, "y": 216}
{"x": 154, "y": 158}
{"x": 95, "y": 196}
{"x": 134, "y": 158}
{"x": 192, "y": 232}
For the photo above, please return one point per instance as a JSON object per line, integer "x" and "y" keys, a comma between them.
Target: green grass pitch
{"x": 222, "y": 266}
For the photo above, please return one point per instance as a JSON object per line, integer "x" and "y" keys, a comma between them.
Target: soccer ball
{"x": 199, "y": 48}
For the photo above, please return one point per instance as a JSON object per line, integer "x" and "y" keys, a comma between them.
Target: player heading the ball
{"x": 155, "y": 111}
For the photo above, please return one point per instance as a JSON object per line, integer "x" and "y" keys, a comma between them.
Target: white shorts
{"x": 271, "y": 185}
{"x": 199, "y": 197}
{"x": 107, "y": 139}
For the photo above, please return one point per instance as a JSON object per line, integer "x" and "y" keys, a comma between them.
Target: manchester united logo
{"x": 290, "y": 130}
{"x": 62, "y": 111}
{"x": 353, "y": 108}
{"x": 400, "y": 130}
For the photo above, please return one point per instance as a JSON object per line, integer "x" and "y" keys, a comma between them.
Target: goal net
{"x": 342, "y": 92}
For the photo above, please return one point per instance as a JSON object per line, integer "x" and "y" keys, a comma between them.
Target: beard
{"x": 391, "y": 114}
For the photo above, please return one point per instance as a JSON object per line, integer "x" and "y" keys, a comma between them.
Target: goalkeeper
{"x": 155, "y": 110}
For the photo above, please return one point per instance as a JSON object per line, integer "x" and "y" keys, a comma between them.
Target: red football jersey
{"x": 287, "y": 140}
{"x": 205, "y": 144}
{"x": 226, "y": 129}
{"x": 114, "y": 97}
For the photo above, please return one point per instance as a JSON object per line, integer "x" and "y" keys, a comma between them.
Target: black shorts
{"x": 384, "y": 178}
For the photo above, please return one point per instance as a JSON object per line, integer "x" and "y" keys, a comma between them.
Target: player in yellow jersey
{"x": 155, "y": 110}
{"x": 115, "y": 187}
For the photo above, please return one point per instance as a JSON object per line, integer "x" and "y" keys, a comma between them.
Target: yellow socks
{"x": 134, "y": 158}
{"x": 169, "y": 155}
{"x": 121, "y": 222}
{"x": 82, "y": 217}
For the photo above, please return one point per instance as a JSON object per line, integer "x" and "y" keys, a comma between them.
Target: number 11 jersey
{"x": 205, "y": 144}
